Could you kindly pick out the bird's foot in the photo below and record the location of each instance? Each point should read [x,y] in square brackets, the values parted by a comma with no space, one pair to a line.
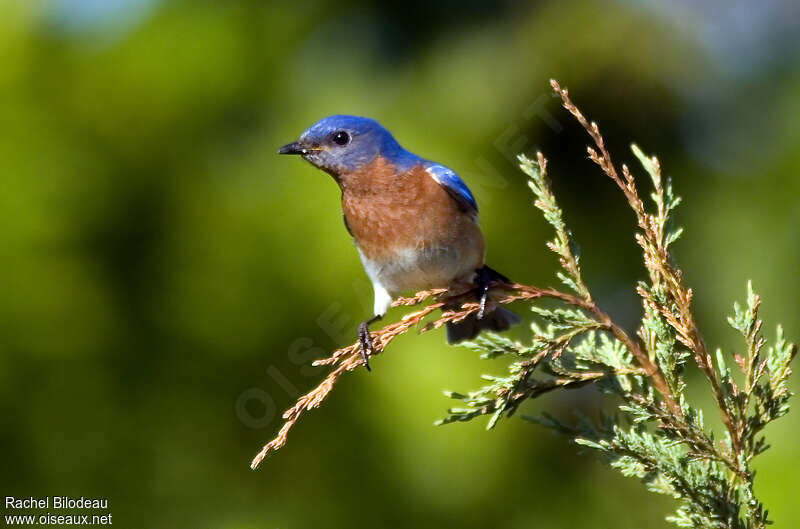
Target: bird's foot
[483,279]
[365,340]
[365,344]
[482,290]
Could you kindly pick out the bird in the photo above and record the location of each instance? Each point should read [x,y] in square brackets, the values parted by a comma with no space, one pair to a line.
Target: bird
[414,222]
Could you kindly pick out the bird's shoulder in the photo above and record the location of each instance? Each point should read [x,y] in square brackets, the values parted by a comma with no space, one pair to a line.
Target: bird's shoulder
[453,184]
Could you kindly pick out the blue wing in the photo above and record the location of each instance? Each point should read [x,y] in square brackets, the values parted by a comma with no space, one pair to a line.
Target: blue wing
[450,181]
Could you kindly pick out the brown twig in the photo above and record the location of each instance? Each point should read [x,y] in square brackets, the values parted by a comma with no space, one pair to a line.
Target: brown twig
[652,239]
[656,258]
[632,346]
[349,358]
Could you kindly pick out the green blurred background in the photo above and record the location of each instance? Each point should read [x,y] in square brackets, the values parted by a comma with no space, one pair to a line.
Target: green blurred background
[166,278]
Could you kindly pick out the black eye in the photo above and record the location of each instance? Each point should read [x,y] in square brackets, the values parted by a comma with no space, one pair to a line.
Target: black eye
[341,138]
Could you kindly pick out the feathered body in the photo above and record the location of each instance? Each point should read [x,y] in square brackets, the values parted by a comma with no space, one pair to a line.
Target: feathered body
[409,231]
[414,222]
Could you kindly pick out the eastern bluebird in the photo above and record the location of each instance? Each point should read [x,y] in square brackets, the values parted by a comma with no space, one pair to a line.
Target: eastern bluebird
[414,222]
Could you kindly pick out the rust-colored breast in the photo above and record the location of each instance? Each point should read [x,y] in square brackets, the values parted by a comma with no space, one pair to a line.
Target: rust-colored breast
[388,211]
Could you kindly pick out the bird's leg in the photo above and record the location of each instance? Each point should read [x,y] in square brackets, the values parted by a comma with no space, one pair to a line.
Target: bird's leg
[483,278]
[482,281]
[365,340]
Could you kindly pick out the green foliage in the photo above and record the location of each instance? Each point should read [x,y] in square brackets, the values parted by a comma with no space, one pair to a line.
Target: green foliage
[656,435]
[159,259]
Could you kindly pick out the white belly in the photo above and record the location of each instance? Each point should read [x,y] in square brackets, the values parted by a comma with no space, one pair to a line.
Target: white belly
[415,269]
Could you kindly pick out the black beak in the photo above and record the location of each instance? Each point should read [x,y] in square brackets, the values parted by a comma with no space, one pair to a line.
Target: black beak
[292,148]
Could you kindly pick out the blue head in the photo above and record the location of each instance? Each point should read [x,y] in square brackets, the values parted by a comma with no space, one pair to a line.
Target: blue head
[340,144]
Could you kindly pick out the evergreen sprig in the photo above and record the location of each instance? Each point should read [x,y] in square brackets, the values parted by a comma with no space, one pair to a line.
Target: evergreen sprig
[656,435]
